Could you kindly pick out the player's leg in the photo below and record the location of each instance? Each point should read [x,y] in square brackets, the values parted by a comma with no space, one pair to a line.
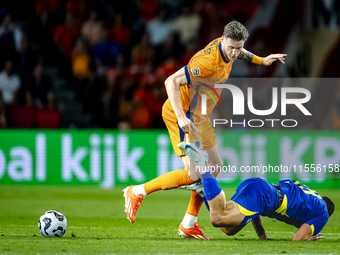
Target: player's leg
[209,143]
[173,179]
[134,195]
[222,214]
[196,200]
[189,226]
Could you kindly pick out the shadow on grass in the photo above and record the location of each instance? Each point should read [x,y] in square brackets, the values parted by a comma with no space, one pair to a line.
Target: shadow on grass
[134,238]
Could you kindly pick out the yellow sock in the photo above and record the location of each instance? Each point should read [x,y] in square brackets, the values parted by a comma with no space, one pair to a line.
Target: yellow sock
[195,204]
[170,180]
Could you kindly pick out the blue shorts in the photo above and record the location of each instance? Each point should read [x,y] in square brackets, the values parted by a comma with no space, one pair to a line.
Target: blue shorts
[255,196]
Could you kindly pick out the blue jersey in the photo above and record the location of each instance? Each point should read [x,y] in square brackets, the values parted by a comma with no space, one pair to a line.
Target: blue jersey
[300,204]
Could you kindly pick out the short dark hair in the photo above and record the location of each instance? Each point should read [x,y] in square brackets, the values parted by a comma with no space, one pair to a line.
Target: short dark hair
[330,205]
[235,31]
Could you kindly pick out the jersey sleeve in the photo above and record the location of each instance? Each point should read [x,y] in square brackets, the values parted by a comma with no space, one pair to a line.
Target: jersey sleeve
[201,67]
[317,223]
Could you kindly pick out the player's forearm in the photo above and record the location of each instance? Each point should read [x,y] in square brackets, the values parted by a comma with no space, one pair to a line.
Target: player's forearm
[259,229]
[300,237]
[173,91]
[303,233]
[250,57]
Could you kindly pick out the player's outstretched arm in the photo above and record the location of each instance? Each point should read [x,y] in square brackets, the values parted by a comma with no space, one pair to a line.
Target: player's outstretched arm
[259,229]
[304,233]
[267,61]
[172,85]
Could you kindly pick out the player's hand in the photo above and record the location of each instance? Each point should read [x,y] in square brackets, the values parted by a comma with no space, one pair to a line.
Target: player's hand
[187,126]
[316,237]
[267,61]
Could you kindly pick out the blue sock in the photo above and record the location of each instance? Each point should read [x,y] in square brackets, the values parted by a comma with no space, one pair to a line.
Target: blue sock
[210,185]
[206,203]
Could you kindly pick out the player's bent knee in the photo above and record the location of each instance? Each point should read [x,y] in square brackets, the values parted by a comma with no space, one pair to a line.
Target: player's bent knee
[216,220]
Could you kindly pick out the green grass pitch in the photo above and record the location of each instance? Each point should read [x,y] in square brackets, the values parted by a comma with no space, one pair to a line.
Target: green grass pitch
[97,224]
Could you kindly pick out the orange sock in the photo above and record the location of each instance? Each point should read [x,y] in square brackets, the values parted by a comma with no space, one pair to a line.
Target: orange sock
[195,204]
[170,180]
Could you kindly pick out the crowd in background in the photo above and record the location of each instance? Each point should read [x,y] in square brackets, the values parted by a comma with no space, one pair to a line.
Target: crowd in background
[115,55]
[26,96]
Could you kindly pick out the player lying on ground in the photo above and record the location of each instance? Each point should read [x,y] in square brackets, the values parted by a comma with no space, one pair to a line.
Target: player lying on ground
[180,114]
[289,201]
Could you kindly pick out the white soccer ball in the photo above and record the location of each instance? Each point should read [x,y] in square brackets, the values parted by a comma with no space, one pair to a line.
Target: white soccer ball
[52,224]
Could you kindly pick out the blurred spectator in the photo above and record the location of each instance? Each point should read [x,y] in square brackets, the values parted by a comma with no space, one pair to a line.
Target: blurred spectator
[104,98]
[10,36]
[190,50]
[2,112]
[9,83]
[142,53]
[81,69]
[91,29]
[106,51]
[140,115]
[148,100]
[241,10]
[80,60]
[2,13]
[66,35]
[332,120]
[111,98]
[24,116]
[39,86]
[170,48]
[167,68]
[77,7]
[187,25]
[148,8]
[119,32]
[160,27]
[47,10]
[49,117]
[25,60]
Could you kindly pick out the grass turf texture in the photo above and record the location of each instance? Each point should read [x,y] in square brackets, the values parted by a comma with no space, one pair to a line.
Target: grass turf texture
[97,224]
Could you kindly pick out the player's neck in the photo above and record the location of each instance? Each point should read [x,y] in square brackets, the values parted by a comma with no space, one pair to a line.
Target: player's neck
[226,57]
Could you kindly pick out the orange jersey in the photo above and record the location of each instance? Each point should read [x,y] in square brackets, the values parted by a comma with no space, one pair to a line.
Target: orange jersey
[207,63]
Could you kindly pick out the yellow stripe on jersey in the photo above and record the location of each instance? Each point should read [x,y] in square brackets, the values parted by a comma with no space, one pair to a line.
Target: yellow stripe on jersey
[244,211]
[283,208]
[312,227]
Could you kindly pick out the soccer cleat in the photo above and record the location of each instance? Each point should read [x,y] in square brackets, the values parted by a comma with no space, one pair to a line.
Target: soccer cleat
[132,203]
[194,232]
[197,187]
[198,156]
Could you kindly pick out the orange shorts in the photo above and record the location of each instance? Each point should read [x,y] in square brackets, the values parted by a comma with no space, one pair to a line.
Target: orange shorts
[206,136]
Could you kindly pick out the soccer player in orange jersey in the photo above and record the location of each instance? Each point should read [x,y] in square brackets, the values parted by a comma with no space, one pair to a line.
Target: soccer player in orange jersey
[180,117]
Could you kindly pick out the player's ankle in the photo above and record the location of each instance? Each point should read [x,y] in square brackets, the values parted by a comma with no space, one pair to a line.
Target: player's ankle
[139,189]
[189,221]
